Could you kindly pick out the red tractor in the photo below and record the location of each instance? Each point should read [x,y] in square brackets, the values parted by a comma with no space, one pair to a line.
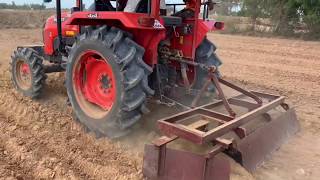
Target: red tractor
[117,53]
[114,59]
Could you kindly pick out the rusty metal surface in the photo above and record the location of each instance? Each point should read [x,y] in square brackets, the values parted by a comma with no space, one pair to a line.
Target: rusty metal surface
[202,90]
[181,165]
[263,141]
[171,125]
[248,137]
[163,140]
[229,126]
[243,91]
[222,96]
[151,161]
[212,78]
[162,163]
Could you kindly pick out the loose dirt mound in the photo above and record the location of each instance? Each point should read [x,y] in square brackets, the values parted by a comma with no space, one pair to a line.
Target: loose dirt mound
[47,143]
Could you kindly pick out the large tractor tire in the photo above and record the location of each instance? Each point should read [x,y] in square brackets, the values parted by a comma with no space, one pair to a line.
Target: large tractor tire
[27,72]
[107,81]
[205,54]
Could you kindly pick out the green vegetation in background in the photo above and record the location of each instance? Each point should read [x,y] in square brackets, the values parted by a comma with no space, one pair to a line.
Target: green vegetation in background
[289,17]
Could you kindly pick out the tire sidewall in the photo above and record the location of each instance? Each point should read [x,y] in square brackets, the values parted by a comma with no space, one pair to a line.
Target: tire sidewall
[15,60]
[111,59]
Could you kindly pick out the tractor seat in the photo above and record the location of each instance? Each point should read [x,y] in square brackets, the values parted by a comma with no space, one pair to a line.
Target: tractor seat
[172,20]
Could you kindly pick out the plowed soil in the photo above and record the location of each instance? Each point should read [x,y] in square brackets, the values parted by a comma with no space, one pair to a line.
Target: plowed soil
[40,140]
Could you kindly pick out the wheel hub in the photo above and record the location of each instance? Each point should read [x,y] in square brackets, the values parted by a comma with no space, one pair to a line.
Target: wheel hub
[24,69]
[105,82]
[23,74]
[95,80]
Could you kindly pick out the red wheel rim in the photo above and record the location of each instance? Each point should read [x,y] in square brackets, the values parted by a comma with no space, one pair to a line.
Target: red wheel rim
[23,75]
[94,84]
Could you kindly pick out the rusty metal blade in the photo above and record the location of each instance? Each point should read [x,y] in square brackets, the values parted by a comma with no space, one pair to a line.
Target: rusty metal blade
[176,164]
[253,149]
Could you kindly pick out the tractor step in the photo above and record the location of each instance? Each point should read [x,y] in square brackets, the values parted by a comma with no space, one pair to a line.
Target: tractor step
[247,127]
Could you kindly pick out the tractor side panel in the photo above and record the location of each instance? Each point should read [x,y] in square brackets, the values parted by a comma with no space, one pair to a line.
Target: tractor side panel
[206,26]
[184,41]
[50,32]
[202,30]
[188,43]
[128,20]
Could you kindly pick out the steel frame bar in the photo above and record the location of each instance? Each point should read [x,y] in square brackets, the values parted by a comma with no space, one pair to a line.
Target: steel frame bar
[246,104]
[224,128]
[264,95]
[243,91]
[226,103]
[172,126]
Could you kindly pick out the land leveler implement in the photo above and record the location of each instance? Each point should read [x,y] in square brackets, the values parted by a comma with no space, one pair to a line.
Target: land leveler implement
[116,54]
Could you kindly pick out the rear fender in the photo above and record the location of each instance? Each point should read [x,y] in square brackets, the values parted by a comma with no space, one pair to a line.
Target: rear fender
[146,36]
[149,39]
[127,20]
[206,26]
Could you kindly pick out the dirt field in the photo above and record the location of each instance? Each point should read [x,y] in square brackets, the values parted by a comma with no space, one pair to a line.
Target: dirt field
[39,138]
[23,18]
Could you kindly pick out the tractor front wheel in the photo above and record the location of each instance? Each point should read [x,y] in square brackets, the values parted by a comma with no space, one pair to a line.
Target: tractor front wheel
[27,72]
[107,81]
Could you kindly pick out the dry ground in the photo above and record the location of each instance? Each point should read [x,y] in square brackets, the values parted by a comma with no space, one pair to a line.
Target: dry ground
[39,139]
[23,18]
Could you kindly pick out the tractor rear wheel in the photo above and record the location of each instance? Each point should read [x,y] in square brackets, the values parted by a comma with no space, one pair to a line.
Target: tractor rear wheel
[205,54]
[107,81]
[27,72]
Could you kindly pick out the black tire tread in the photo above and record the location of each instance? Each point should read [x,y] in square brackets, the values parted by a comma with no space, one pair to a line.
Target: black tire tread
[205,54]
[32,58]
[133,74]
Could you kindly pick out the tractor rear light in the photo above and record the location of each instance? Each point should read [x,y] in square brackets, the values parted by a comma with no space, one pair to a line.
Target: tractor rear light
[219,25]
[70,33]
[146,21]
